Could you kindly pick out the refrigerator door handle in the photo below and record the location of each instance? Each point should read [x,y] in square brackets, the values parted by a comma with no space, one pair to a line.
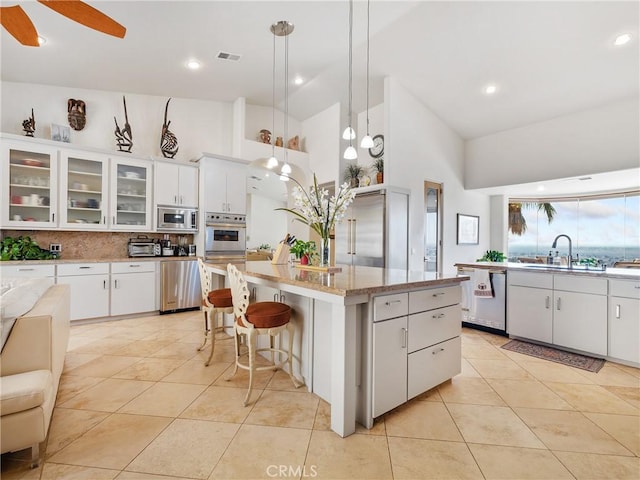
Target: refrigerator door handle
[353,237]
[348,236]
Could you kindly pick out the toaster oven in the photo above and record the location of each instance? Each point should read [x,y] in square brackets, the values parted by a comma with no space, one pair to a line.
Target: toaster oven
[143,247]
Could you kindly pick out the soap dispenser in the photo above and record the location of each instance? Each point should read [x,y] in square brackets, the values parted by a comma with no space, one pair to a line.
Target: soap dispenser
[550,258]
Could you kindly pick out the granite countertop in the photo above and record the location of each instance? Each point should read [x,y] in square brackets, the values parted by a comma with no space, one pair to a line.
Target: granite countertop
[624,273]
[352,280]
[60,261]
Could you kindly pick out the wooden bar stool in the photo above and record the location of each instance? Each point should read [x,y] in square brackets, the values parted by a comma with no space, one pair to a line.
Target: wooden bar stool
[215,303]
[259,318]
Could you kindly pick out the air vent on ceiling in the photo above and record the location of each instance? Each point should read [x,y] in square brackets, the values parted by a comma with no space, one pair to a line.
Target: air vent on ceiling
[582,179]
[228,56]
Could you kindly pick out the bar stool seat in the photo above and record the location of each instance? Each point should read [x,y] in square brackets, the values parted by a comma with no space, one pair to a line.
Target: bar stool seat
[215,303]
[259,318]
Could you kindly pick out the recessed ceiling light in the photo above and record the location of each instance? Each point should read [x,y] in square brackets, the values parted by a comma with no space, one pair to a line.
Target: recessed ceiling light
[298,80]
[622,39]
[540,188]
[490,89]
[41,40]
[193,64]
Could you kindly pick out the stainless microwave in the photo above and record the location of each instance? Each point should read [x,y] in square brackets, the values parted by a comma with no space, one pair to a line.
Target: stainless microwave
[176,219]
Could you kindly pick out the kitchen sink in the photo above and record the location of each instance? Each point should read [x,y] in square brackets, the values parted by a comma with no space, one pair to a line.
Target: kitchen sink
[573,268]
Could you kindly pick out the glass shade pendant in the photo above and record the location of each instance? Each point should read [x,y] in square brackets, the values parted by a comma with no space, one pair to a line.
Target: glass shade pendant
[272,162]
[367,141]
[350,153]
[349,133]
[286,169]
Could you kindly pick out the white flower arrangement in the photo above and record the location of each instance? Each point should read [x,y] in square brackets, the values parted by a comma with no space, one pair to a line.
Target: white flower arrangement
[316,209]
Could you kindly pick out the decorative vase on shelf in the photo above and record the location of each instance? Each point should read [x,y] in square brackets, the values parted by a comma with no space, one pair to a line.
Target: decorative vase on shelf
[325,254]
[379,177]
[304,260]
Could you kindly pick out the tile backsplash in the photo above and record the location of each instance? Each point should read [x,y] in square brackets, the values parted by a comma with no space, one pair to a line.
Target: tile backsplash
[87,245]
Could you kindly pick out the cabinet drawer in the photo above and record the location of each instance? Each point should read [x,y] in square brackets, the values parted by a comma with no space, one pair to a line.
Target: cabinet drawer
[390,306]
[435,326]
[434,298]
[528,279]
[133,267]
[431,366]
[68,269]
[624,288]
[28,270]
[574,283]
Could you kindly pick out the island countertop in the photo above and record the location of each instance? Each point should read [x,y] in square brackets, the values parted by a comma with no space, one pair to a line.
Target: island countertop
[351,281]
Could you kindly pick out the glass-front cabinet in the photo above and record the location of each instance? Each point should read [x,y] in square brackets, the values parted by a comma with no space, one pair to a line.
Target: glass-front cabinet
[131,188]
[83,190]
[29,185]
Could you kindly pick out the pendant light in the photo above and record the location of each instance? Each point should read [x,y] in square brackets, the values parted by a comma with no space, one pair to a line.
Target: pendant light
[272,162]
[349,134]
[282,29]
[367,141]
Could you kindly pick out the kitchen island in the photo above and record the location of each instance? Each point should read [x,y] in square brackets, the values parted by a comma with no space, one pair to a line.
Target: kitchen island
[342,356]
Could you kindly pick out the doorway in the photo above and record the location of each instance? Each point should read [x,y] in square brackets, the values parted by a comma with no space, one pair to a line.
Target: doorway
[432,227]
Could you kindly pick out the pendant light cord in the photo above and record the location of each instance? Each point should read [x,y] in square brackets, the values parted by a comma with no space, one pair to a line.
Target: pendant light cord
[350,62]
[367,67]
[273,98]
[286,95]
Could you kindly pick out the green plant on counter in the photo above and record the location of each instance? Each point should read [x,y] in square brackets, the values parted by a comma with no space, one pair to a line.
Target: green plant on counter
[23,248]
[492,256]
[589,261]
[301,248]
[264,246]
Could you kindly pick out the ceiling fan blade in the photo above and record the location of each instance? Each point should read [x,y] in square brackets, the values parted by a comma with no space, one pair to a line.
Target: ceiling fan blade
[86,15]
[17,23]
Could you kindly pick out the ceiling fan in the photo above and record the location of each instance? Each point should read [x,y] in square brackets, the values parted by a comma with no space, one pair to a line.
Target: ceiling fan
[17,23]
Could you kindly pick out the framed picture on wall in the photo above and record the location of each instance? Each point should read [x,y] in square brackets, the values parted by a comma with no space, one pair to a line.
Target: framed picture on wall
[468,229]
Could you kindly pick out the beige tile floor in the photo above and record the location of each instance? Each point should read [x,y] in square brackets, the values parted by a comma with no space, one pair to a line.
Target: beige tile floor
[136,402]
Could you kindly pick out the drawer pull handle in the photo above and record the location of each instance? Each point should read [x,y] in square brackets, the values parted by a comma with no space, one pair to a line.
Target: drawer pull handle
[104,284]
[440,315]
[636,286]
[404,337]
[391,302]
[438,294]
[84,268]
[26,269]
[547,301]
[134,266]
[558,303]
[435,352]
[617,311]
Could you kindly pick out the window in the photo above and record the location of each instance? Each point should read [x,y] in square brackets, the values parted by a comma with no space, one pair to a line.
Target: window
[605,227]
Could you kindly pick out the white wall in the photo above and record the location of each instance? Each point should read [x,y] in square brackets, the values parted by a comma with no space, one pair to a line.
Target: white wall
[598,140]
[263,224]
[322,140]
[201,126]
[419,147]
[499,238]
[376,127]
[259,117]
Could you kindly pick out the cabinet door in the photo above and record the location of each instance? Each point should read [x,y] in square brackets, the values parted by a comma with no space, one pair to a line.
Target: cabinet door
[389,364]
[580,321]
[29,188]
[133,293]
[215,185]
[130,204]
[188,186]
[89,295]
[529,313]
[236,188]
[167,183]
[83,190]
[624,329]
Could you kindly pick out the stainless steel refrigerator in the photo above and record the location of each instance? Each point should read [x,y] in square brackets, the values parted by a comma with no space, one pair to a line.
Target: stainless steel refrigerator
[374,232]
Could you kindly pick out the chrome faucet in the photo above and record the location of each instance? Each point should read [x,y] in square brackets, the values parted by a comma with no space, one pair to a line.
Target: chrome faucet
[555,242]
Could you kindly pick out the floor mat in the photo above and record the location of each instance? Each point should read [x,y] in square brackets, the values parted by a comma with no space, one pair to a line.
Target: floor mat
[554,355]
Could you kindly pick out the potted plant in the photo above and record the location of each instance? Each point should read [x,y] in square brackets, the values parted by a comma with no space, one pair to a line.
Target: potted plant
[378,166]
[352,174]
[304,251]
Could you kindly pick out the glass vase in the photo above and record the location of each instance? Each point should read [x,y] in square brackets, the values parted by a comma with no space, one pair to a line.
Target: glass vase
[324,252]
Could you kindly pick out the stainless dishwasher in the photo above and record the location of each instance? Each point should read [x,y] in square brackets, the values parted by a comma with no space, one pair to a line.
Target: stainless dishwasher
[179,286]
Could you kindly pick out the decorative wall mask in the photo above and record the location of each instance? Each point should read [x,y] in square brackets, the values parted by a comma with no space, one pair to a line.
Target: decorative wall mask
[77,114]
[29,125]
[168,141]
[124,137]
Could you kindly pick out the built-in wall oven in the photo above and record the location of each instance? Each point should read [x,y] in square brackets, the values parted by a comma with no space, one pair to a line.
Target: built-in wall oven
[226,237]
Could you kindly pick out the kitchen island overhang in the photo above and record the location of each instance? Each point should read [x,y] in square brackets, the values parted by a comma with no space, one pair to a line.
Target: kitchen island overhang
[343,303]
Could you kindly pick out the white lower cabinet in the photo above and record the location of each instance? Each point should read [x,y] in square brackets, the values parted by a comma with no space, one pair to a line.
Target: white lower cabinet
[416,344]
[560,309]
[28,271]
[89,288]
[624,320]
[133,287]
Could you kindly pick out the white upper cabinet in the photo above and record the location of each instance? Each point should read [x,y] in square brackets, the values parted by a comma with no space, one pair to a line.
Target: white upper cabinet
[29,188]
[225,185]
[176,184]
[130,194]
[84,190]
